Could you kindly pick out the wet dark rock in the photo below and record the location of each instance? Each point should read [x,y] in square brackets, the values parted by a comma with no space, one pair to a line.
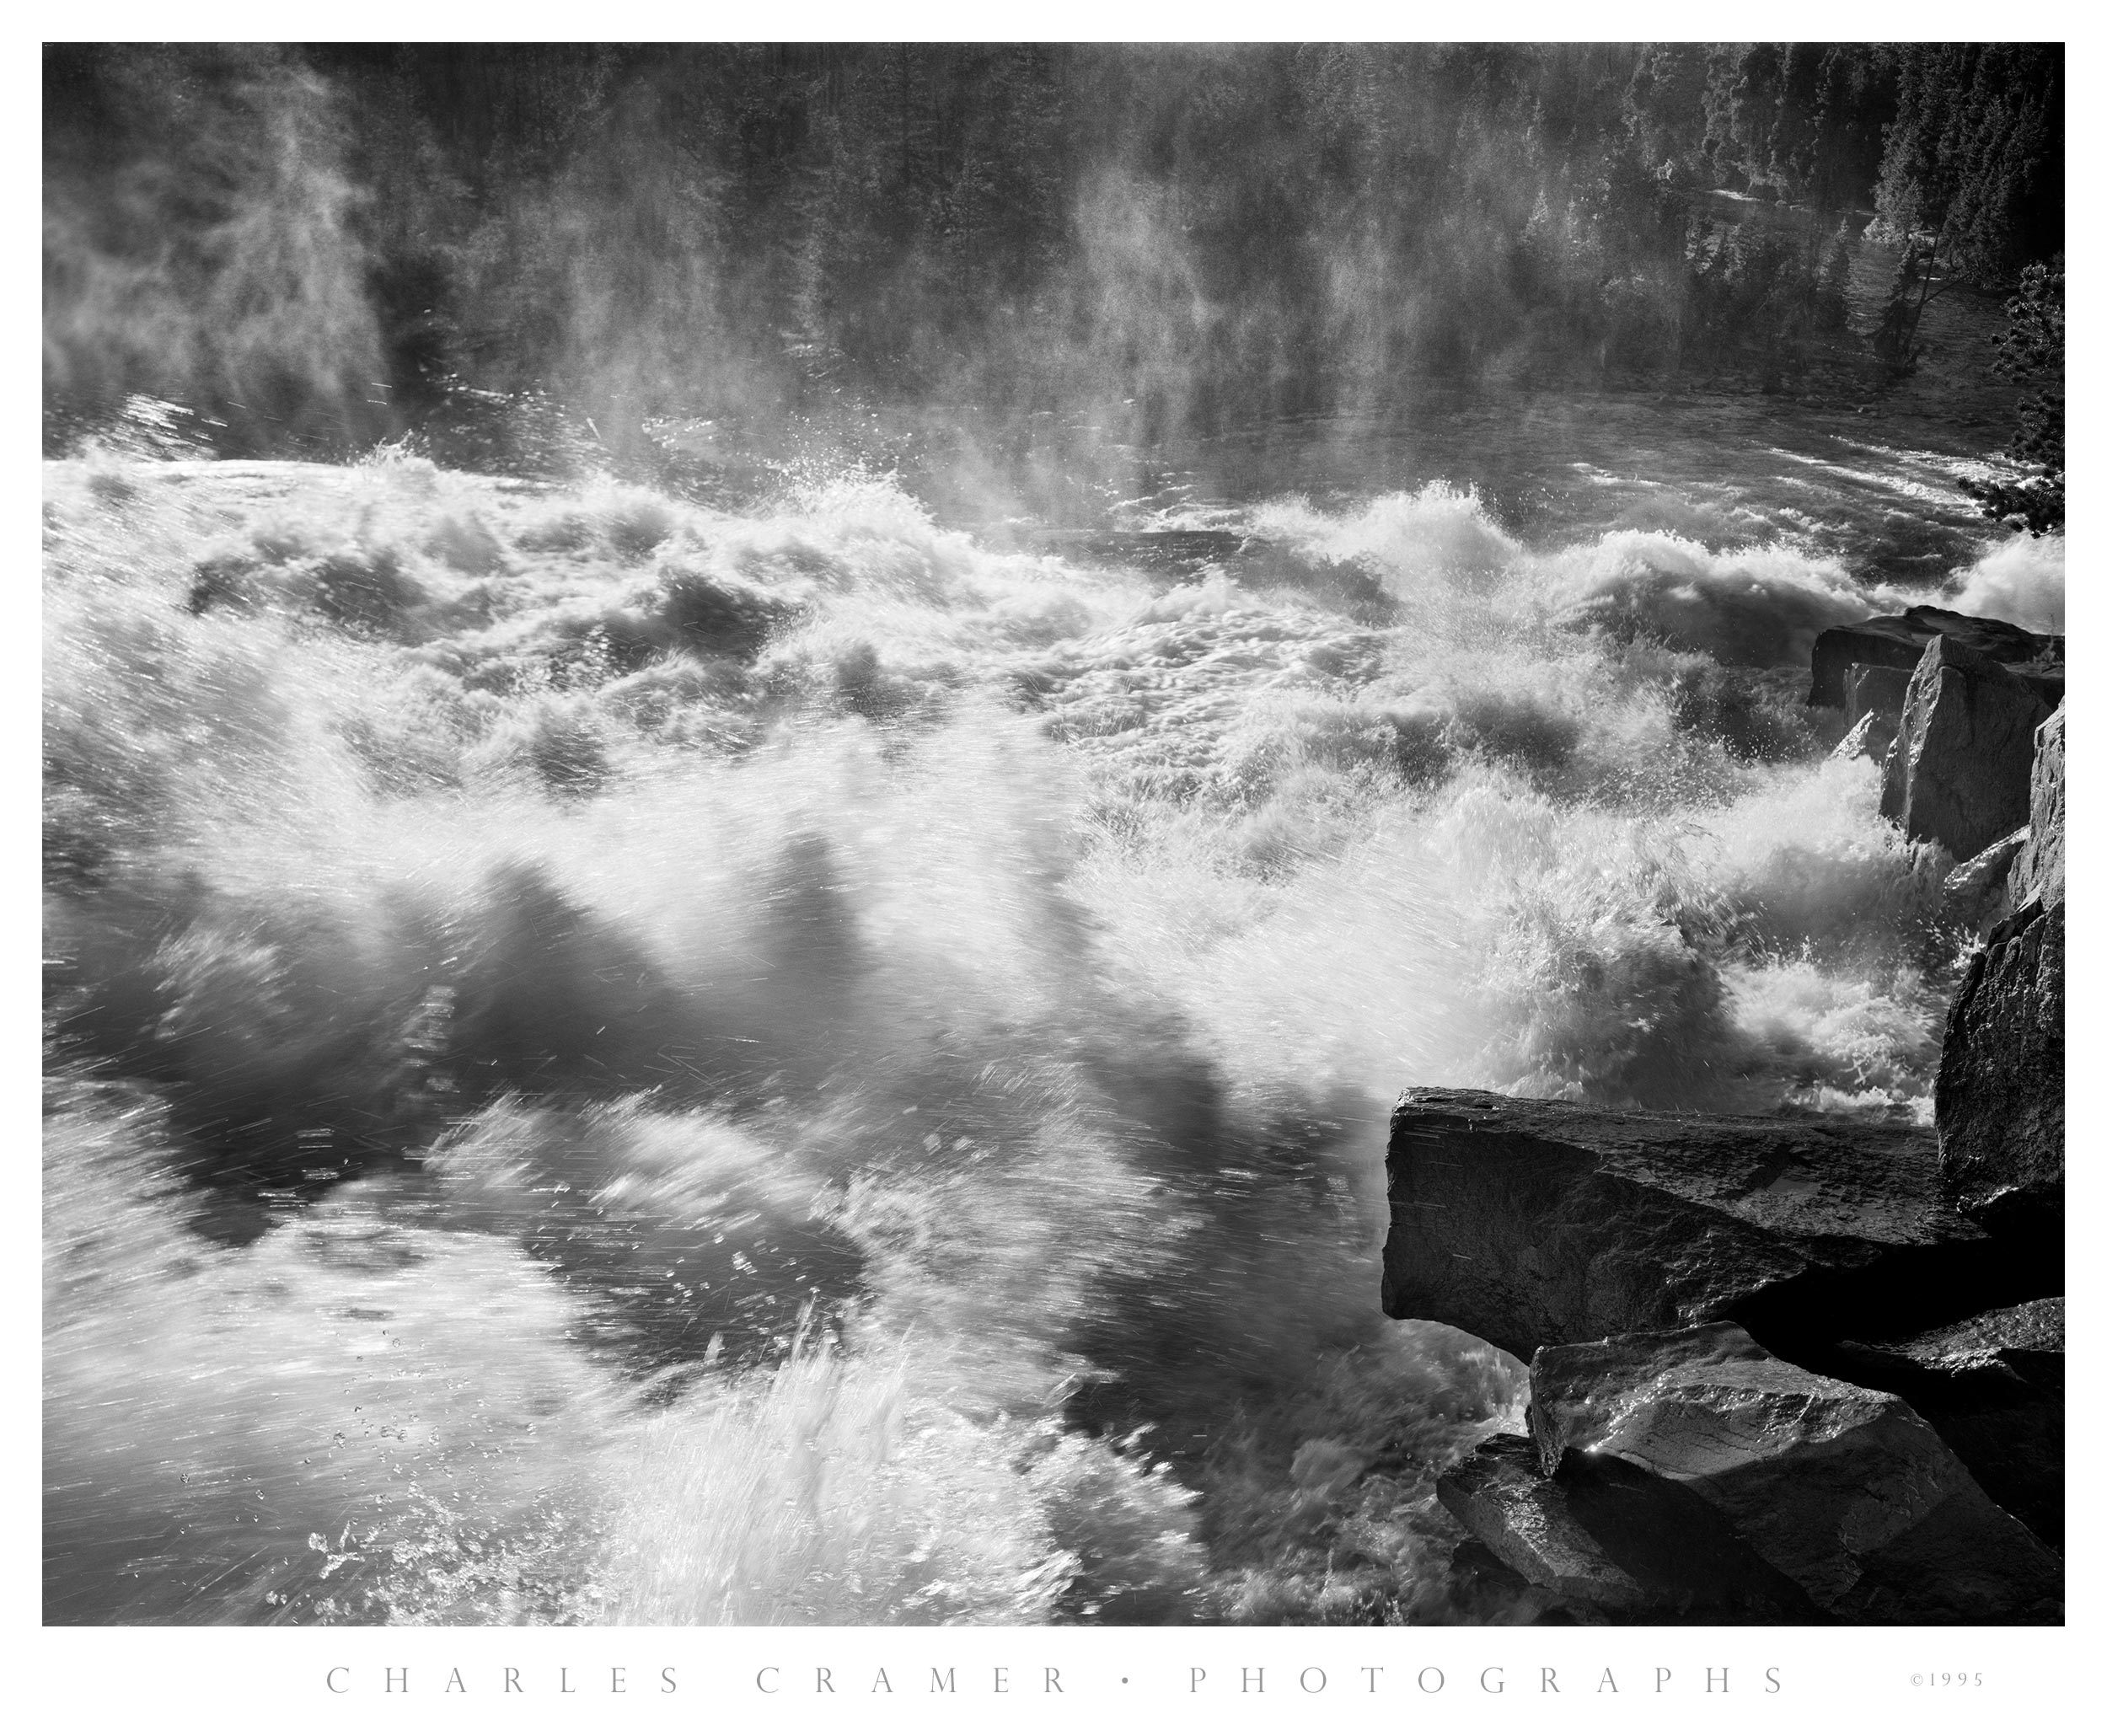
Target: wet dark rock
[1875,687]
[1484,1592]
[1531,1223]
[1606,1541]
[2021,1344]
[1846,1492]
[1522,1517]
[2038,874]
[1898,642]
[1960,772]
[1874,696]
[1999,1095]
[1992,1386]
[1974,892]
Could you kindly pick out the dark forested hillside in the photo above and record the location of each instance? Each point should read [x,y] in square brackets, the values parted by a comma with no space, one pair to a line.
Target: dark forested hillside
[307,246]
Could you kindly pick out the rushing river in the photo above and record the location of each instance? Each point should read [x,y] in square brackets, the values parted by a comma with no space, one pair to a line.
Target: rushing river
[618,1061]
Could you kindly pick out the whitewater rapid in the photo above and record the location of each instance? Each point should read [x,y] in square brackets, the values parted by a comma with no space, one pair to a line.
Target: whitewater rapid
[616,1062]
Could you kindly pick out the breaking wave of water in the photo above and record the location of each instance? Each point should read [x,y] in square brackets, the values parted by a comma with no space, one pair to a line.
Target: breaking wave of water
[2020,580]
[618,1063]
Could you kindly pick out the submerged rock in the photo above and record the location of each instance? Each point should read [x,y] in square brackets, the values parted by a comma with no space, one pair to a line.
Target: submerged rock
[1531,1223]
[1960,770]
[1999,1094]
[1898,642]
[1846,1492]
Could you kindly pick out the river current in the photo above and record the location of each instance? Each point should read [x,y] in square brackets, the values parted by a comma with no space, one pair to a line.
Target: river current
[617,1061]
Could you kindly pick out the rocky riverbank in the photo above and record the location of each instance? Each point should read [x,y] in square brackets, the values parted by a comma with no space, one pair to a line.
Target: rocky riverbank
[1792,1369]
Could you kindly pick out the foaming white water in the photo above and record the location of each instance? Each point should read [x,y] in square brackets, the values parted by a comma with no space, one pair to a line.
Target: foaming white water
[2019,580]
[901,1033]
[1754,606]
[1437,532]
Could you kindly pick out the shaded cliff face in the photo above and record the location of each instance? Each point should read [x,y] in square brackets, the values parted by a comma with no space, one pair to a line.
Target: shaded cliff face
[799,1064]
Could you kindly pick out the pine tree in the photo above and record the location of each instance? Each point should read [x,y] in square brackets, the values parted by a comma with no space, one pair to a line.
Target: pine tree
[2030,351]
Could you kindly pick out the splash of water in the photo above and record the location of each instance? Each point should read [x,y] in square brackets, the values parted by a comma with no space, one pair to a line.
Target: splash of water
[2018,580]
[624,1062]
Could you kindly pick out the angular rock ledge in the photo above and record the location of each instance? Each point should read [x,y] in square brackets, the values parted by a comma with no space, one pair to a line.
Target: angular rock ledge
[1530,1222]
[1959,772]
[1898,642]
[1608,1542]
[1992,1386]
[1846,1492]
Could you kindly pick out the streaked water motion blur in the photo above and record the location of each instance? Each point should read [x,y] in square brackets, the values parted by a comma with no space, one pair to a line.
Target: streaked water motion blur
[619,1062]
